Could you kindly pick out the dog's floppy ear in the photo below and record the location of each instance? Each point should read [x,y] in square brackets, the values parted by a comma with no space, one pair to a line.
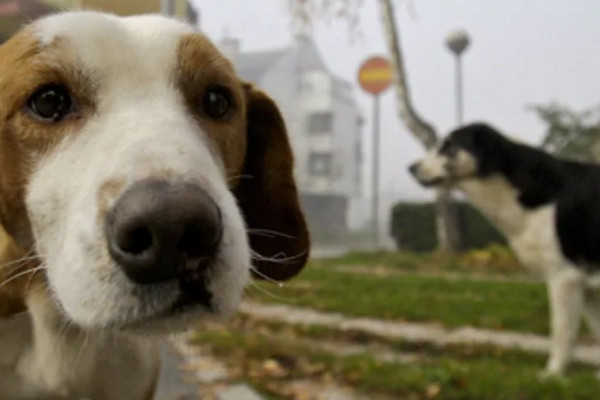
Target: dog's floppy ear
[489,147]
[267,193]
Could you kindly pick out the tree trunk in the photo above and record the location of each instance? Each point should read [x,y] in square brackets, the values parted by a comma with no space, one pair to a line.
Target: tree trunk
[446,217]
[447,222]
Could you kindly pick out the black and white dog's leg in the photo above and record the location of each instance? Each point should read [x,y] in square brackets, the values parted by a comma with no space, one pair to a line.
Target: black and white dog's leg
[566,306]
[591,312]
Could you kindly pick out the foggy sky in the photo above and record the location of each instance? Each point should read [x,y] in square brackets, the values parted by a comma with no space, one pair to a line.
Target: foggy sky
[521,53]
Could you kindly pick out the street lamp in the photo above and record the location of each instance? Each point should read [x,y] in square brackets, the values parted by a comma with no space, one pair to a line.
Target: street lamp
[458,41]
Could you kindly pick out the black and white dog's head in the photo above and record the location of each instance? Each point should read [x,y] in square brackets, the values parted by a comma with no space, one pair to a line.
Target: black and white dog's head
[475,150]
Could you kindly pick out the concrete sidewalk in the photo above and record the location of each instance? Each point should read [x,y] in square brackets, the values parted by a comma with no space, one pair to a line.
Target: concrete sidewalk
[185,371]
[175,383]
[414,332]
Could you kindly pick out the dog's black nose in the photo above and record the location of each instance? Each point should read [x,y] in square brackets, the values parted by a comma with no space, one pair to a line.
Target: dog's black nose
[158,231]
[412,168]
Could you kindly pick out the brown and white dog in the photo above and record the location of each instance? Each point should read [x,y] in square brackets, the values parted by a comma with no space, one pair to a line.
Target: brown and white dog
[141,183]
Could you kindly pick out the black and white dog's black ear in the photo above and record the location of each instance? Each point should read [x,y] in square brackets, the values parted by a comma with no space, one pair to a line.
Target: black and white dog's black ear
[531,174]
[488,146]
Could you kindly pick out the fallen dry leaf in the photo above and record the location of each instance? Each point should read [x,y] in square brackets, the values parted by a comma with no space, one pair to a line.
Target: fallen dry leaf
[433,391]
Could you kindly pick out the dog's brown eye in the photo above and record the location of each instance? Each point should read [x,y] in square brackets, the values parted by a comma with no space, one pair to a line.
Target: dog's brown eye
[217,102]
[51,103]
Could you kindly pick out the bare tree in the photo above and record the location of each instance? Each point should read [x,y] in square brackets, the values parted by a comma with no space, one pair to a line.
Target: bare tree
[447,229]
[305,10]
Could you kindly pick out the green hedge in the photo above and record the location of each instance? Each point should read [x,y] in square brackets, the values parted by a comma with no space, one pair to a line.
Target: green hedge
[413,227]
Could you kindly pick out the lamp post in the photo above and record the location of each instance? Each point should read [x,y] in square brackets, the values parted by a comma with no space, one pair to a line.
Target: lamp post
[458,41]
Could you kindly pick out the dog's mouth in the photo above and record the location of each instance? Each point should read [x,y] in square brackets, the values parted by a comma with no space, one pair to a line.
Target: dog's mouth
[429,182]
[425,181]
[193,285]
[433,182]
[185,298]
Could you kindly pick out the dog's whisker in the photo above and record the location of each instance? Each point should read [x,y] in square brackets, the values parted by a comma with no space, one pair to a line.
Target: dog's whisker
[15,269]
[30,280]
[82,345]
[66,326]
[268,293]
[236,177]
[278,258]
[22,273]
[266,277]
[28,256]
[17,261]
[8,272]
[268,233]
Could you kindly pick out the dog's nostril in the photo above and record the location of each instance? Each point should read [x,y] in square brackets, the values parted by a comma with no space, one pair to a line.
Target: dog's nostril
[190,242]
[136,240]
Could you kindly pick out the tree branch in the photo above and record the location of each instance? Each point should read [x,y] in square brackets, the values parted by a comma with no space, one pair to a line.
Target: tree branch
[421,129]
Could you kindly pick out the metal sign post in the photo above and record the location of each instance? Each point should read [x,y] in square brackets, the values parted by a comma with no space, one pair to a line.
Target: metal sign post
[375,76]
[376,163]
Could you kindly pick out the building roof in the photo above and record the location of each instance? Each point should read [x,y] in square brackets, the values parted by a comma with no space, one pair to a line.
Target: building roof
[343,89]
[252,66]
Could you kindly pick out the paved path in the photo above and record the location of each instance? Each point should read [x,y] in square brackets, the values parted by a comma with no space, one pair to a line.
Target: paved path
[175,383]
[185,372]
[414,332]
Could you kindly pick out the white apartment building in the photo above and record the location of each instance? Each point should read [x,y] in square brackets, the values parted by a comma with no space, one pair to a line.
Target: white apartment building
[324,123]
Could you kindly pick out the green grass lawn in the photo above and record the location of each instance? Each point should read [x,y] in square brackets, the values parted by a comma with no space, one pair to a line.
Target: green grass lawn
[485,303]
[409,287]
[492,261]
[453,372]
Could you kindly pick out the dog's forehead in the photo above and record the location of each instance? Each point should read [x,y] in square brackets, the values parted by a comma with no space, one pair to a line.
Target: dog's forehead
[445,143]
[87,27]
[103,42]
[459,138]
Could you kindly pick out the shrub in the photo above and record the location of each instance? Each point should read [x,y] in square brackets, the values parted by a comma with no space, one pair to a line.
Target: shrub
[413,227]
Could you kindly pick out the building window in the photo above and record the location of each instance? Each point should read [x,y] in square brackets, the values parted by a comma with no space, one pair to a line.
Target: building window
[304,85]
[319,164]
[358,154]
[320,122]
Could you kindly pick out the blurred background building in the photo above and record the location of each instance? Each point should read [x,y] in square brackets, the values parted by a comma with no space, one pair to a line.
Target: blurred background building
[325,125]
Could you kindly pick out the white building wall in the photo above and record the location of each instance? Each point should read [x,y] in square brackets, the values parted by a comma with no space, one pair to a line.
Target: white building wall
[315,98]
[301,86]
[280,82]
[345,141]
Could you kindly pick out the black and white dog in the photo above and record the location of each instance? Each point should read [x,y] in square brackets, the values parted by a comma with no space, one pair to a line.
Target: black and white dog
[548,209]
